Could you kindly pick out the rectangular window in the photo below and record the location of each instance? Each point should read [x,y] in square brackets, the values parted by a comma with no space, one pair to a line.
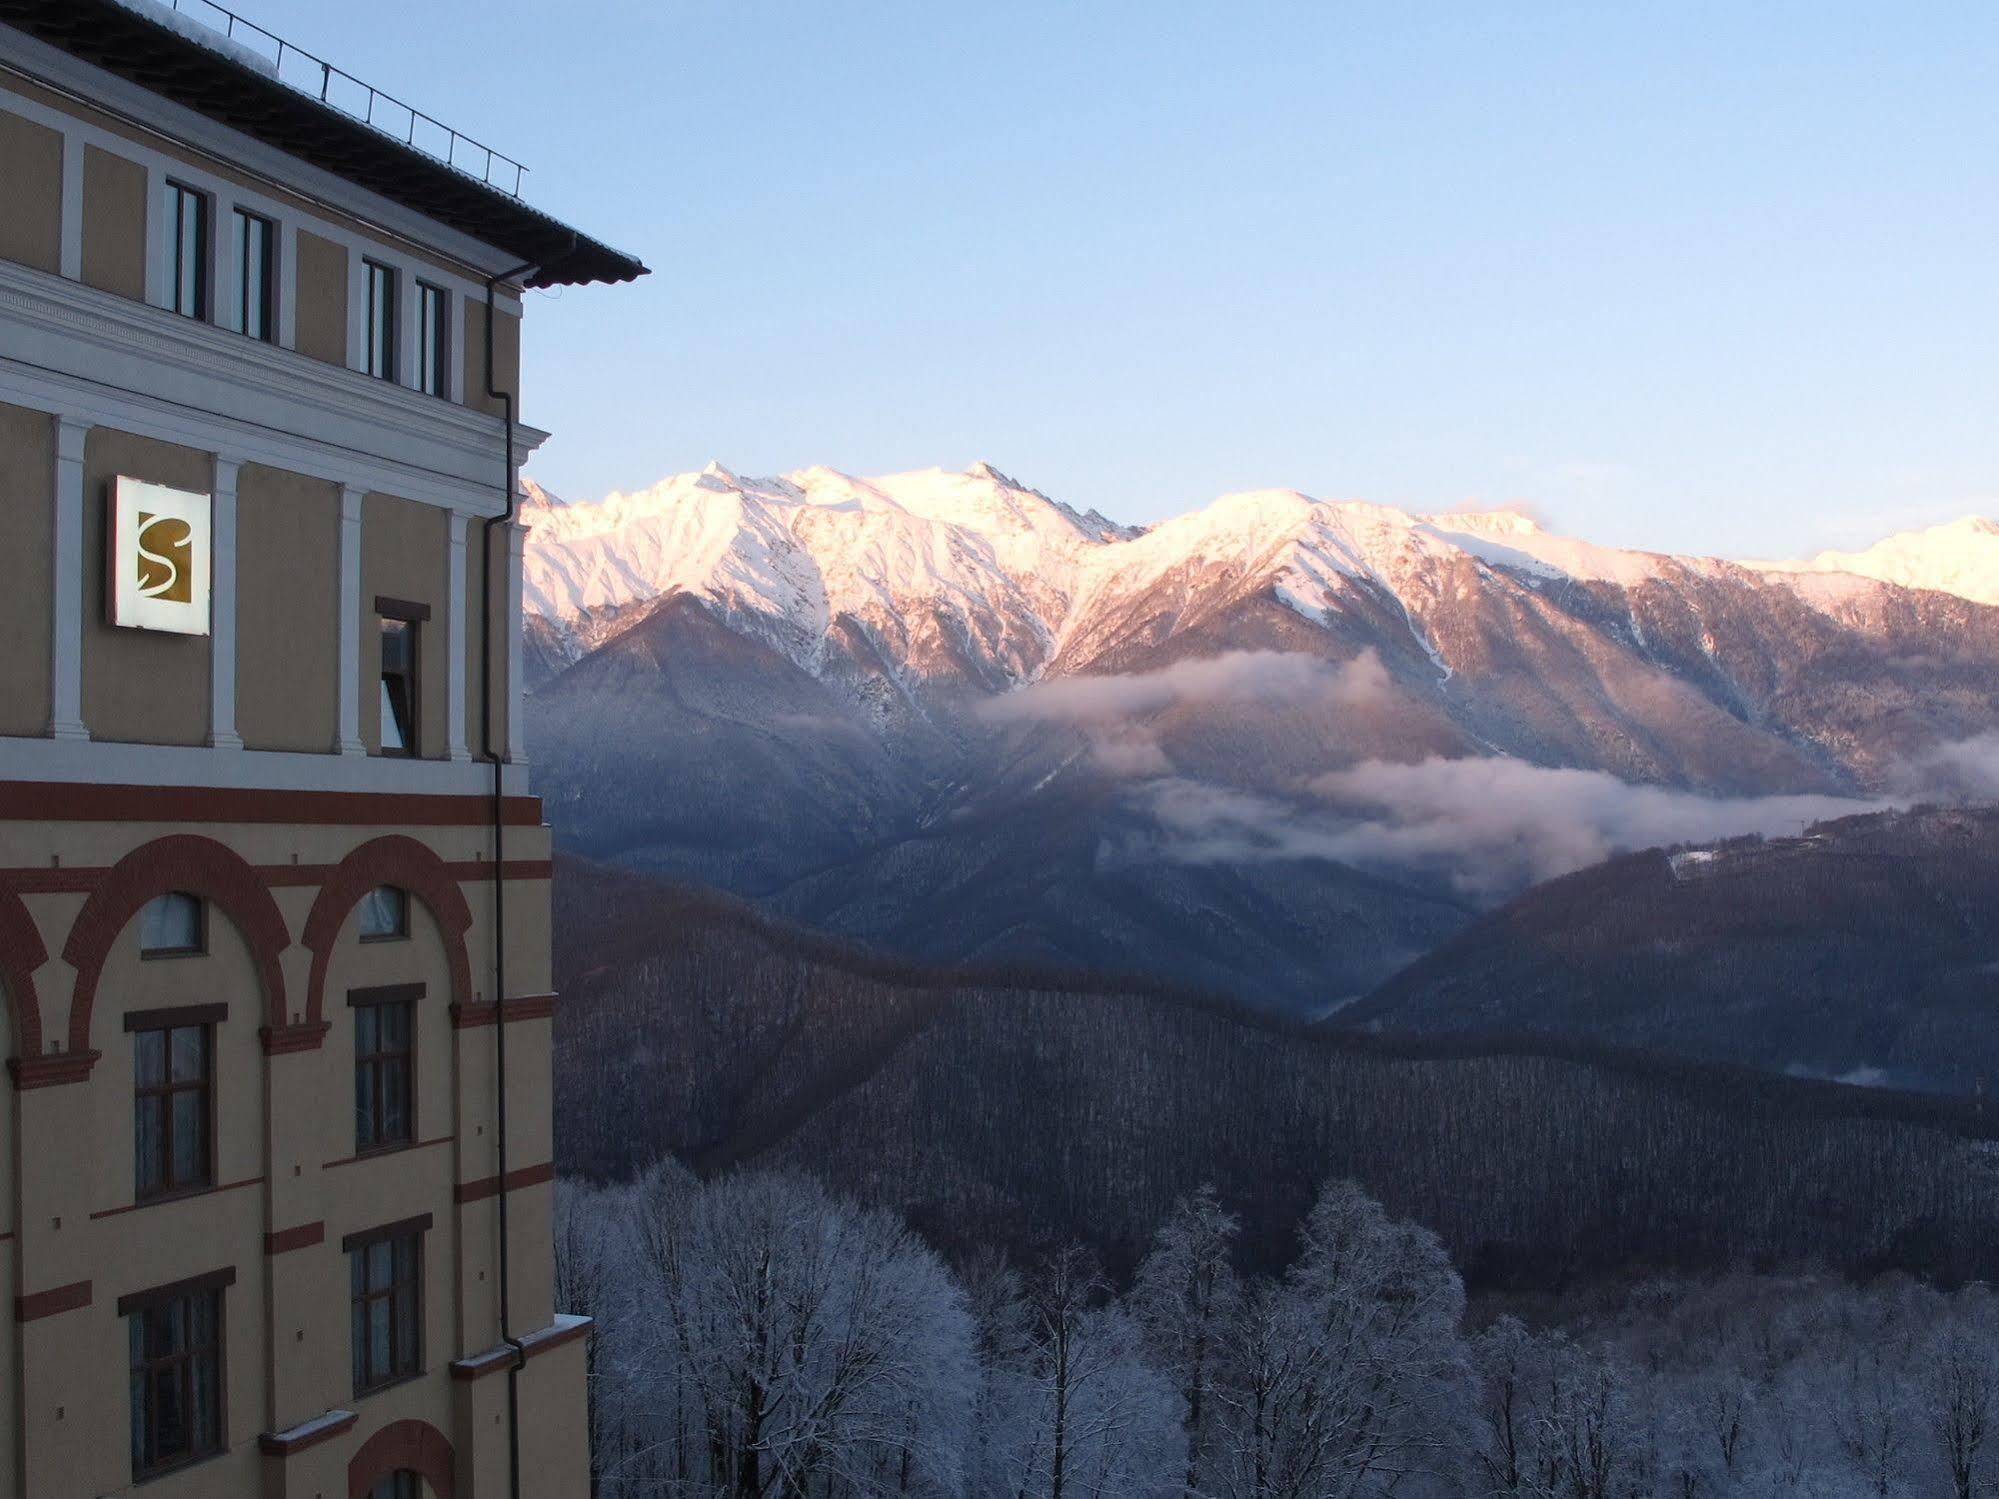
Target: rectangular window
[400,706]
[379,357]
[175,1340]
[187,251]
[256,275]
[433,335]
[173,1099]
[384,1066]
[385,1267]
[398,687]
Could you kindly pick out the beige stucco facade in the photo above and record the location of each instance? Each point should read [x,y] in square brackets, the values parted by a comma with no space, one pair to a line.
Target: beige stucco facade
[239,764]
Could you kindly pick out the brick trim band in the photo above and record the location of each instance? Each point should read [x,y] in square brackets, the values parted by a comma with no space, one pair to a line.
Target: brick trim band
[302,1236]
[485,1012]
[489,1186]
[64,801]
[40,1304]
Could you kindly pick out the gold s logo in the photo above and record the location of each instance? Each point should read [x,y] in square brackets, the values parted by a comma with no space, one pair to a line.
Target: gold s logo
[165,558]
[158,556]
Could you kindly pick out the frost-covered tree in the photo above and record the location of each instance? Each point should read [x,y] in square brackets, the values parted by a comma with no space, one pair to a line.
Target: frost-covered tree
[1185,1296]
[1959,1397]
[1096,1419]
[1347,1377]
[821,1347]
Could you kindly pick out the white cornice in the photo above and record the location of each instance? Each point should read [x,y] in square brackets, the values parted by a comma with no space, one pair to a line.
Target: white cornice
[84,353]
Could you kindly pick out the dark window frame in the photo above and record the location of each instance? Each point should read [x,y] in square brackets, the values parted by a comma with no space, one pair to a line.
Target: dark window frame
[433,339]
[169,1023]
[183,279]
[200,948]
[413,616]
[404,1364]
[262,294]
[142,1370]
[371,1067]
[380,318]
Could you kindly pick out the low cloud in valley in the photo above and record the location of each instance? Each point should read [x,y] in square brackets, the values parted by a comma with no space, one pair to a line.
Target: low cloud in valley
[1490,825]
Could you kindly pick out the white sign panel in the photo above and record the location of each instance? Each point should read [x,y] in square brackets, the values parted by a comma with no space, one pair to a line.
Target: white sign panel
[159,542]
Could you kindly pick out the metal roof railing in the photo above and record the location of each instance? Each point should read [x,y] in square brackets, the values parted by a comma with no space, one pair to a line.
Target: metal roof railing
[299,69]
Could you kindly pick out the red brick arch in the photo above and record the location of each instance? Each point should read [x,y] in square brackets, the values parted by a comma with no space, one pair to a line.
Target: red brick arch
[403,1447]
[409,865]
[21,953]
[180,861]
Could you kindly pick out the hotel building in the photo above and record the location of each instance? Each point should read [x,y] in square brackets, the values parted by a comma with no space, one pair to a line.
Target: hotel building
[275,1160]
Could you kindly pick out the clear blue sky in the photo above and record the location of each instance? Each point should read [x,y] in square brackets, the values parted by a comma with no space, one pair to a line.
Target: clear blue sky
[1700,276]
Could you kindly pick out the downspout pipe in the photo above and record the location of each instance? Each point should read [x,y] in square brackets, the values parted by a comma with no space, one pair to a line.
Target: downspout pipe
[496,757]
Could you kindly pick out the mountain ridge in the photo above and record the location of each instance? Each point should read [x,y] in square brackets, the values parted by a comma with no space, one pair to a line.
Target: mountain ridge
[1277,747]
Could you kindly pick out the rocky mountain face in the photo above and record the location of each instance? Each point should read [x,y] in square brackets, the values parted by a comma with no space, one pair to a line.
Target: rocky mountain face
[1278,747]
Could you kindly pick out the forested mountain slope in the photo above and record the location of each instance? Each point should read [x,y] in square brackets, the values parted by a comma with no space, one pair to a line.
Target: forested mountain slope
[1015,1109]
[1868,949]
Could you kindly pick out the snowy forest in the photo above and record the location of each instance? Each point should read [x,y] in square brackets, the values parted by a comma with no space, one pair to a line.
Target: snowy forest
[762,1337]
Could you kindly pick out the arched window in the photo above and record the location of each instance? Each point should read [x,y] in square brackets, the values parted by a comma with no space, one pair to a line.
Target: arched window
[402,1485]
[385,914]
[171,925]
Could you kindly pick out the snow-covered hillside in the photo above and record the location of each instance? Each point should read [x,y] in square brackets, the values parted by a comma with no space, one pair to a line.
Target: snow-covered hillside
[974,571]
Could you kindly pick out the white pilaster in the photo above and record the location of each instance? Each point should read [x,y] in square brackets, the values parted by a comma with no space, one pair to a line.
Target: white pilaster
[159,237]
[225,301]
[72,206]
[454,646]
[357,310]
[517,535]
[406,321]
[287,283]
[66,626]
[347,737]
[222,607]
[454,349]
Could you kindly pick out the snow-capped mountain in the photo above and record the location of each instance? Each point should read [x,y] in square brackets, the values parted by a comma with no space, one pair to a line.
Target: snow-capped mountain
[947,712]
[1015,582]
[1961,557]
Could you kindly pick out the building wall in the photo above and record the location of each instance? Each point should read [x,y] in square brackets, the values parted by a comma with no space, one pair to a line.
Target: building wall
[287,609]
[31,166]
[322,298]
[120,779]
[114,223]
[288,1185]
